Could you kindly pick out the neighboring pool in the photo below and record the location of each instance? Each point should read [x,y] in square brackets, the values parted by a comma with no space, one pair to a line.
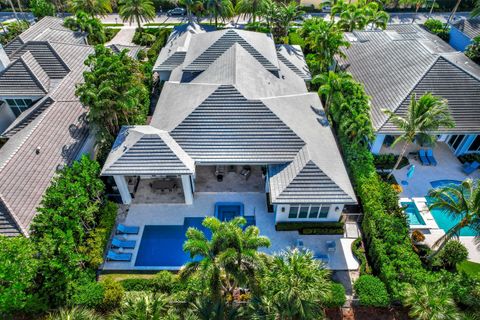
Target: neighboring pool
[444,221]
[225,211]
[441,183]
[413,215]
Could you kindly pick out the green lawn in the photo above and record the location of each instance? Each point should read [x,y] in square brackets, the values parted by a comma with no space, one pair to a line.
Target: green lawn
[469,267]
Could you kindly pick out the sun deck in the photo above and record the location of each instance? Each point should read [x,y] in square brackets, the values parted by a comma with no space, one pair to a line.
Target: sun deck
[255,205]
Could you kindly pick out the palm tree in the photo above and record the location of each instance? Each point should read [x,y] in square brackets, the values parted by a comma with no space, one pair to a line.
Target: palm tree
[143,306]
[455,11]
[324,39]
[191,6]
[73,314]
[136,10]
[476,10]
[220,8]
[424,116]
[339,7]
[83,22]
[226,261]
[429,302]
[92,7]
[331,87]
[252,7]
[461,202]
[353,18]
[376,17]
[295,287]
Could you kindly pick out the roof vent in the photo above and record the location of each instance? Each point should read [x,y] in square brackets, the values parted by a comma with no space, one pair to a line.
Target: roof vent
[37,150]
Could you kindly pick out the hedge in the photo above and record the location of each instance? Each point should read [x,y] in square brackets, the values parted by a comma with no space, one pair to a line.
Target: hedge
[163,281]
[371,291]
[312,227]
[359,253]
[336,298]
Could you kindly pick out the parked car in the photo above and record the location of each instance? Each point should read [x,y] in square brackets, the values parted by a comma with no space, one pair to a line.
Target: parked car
[176,12]
[327,9]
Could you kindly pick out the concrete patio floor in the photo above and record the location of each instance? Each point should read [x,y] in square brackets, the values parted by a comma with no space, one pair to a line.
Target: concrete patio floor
[255,204]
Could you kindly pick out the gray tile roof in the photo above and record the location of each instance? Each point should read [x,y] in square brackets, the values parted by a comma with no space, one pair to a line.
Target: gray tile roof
[236,110]
[207,47]
[470,27]
[55,125]
[391,68]
[132,51]
[24,77]
[144,150]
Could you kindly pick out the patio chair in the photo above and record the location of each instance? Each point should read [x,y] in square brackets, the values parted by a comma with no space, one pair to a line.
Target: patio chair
[124,244]
[115,256]
[469,168]
[423,157]
[331,246]
[431,158]
[122,229]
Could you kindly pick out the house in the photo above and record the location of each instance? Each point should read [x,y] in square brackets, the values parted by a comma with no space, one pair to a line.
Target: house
[234,117]
[404,60]
[44,123]
[463,31]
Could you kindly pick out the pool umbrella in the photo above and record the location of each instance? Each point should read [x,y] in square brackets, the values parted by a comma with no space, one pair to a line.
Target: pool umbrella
[410,172]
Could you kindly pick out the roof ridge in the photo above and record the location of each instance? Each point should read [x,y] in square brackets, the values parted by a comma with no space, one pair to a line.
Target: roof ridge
[23,58]
[459,67]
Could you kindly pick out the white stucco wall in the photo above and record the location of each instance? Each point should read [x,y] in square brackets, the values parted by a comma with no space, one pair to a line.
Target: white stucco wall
[6,116]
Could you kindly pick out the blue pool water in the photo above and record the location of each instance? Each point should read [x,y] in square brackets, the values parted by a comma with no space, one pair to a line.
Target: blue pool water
[440,183]
[162,246]
[413,215]
[225,211]
[443,220]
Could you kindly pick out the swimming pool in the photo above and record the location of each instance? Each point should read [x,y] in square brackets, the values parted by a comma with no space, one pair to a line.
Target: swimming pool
[441,183]
[413,215]
[226,211]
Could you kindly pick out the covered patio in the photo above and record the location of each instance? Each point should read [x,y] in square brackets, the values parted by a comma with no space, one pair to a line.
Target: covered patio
[234,178]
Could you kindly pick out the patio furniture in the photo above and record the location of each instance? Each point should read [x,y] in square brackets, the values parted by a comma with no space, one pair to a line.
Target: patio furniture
[331,246]
[423,157]
[431,158]
[246,172]
[162,185]
[115,256]
[124,244]
[469,168]
[122,229]
[219,173]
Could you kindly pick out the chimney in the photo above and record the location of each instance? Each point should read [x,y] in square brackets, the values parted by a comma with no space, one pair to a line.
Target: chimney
[4,60]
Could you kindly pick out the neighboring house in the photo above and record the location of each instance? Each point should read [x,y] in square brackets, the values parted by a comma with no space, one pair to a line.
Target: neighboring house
[235,116]
[462,32]
[47,125]
[406,60]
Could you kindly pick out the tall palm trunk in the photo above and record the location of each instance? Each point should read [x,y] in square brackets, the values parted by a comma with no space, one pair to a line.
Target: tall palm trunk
[417,7]
[138,21]
[454,11]
[400,157]
[431,9]
[13,9]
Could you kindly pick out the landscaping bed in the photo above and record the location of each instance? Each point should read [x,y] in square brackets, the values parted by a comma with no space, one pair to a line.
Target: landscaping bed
[311,227]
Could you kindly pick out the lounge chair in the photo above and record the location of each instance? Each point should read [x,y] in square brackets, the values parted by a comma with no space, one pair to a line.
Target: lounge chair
[469,168]
[331,246]
[115,256]
[423,157]
[431,158]
[124,244]
[122,229]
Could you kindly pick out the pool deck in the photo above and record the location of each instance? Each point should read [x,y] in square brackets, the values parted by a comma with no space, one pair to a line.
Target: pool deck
[255,204]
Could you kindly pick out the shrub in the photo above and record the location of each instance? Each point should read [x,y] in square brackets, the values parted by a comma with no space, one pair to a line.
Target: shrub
[418,236]
[295,39]
[337,296]
[312,227]
[439,28]
[110,33]
[88,295]
[469,157]
[359,253]
[371,291]
[113,294]
[473,50]
[454,252]
[164,281]
[387,161]
[141,55]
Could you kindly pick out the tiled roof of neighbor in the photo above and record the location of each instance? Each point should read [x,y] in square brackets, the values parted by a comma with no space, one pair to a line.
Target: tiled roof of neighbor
[234,109]
[49,134]
[470,27]
[392,66]
[144,150]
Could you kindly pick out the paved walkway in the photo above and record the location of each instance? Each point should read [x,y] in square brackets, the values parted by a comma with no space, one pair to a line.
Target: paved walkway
[124,36]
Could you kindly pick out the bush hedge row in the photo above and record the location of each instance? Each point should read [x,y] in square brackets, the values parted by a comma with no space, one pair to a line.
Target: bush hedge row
[312,227]
[359,253]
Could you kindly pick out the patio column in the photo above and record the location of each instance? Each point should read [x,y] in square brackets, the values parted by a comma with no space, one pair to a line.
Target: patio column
[123,188]
[187,189]
[377,144]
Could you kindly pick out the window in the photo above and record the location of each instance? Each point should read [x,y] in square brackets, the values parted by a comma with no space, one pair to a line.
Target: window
[308,211]
[475,146]
[293,213]
[455,141]
[19,105]
[303,212]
